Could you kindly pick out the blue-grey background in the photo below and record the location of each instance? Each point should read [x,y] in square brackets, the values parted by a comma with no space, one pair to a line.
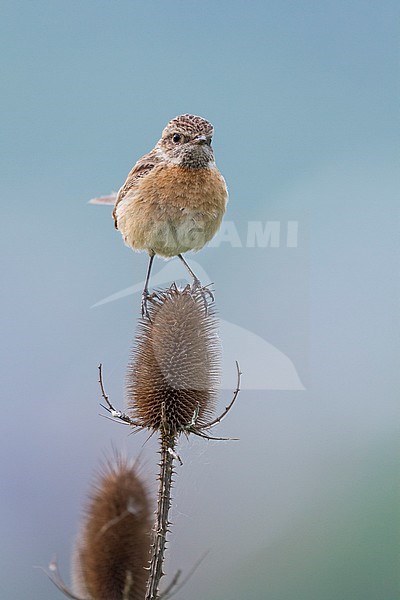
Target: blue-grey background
[302,96]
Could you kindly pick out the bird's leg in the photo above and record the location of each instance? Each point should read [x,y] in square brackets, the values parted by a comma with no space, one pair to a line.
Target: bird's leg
[197,286]
[145,293]
[196,280]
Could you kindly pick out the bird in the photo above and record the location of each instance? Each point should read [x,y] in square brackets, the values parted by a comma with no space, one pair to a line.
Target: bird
[174,197]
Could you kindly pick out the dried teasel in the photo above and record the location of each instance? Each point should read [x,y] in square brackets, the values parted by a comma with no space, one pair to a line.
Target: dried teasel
[112,550]
[175,369]
[172,387]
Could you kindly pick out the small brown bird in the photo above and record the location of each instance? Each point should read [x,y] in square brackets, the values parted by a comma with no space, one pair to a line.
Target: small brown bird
[174,198]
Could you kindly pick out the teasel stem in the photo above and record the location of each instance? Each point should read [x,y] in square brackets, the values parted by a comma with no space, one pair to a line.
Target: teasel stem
[167,452]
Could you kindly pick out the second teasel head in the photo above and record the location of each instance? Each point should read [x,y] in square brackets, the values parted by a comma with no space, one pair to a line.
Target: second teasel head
[113,548]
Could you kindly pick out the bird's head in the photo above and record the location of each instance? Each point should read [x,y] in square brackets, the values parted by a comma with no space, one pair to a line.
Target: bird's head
[186,141]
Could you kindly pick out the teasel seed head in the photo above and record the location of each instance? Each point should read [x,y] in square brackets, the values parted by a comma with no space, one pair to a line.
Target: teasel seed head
[112,550]
[175,368]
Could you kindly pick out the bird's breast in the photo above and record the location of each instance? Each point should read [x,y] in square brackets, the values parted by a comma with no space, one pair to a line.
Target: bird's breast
[184,187]
[173,209]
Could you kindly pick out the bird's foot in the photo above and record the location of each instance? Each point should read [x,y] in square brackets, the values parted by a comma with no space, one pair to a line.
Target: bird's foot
[204,292]
[145,299]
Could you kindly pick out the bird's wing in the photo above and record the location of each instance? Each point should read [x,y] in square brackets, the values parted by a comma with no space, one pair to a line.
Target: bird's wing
[142,168]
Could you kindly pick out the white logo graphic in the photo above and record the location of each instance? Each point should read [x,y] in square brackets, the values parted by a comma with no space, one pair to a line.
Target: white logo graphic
[264,366]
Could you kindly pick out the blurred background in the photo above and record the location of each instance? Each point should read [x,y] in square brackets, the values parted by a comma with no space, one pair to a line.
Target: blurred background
[302,96]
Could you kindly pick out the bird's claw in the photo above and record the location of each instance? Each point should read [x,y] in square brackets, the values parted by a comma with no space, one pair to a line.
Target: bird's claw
[145,298]
[204,292]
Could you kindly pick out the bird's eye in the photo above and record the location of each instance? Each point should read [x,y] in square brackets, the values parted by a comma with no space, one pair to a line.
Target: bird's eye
[209,140]
[176,138]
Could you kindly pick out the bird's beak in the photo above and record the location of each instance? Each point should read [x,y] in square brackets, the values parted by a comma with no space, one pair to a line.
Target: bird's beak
[201,139]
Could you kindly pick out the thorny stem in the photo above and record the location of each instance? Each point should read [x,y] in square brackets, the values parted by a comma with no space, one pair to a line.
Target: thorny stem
[116,414]
[161,524]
